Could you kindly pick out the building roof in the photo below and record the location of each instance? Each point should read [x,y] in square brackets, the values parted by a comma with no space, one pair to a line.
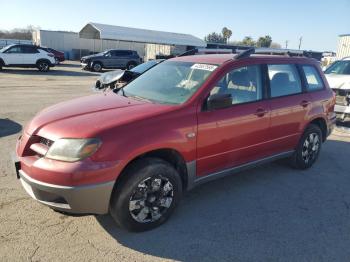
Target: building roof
[112,32]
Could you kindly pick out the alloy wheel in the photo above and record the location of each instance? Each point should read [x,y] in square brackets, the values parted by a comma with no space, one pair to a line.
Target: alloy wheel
[151,199]
[311,147]
[43,66]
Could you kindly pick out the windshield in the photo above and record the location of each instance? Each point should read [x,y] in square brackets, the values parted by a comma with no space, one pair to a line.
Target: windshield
[339,67]
[170,82]
[143,67]
[4,48]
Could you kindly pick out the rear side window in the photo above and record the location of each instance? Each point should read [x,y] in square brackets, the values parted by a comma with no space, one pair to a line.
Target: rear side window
[313,78]
[29,50]
[243,84]
[121,53]
[284,80]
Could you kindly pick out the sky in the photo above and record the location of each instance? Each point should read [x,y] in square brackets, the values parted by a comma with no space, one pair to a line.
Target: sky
[318,22]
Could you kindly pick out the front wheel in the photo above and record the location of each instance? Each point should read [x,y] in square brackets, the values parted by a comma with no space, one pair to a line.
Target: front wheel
[308,149]
[147,194]
[96,67]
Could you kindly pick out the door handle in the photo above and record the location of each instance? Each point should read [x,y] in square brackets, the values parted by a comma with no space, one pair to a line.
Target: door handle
[304,103]
[260,112]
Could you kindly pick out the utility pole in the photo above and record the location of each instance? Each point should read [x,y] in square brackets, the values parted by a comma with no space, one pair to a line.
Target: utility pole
[300,40]
[287,44]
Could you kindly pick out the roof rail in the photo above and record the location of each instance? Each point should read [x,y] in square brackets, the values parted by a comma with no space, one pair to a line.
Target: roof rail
[270,51]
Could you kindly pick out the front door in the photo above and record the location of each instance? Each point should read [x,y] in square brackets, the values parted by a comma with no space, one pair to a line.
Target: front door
[13,56]
[238,134]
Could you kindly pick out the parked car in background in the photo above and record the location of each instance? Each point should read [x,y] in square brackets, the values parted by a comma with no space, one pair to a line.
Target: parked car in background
[26,56]
[338,76]
[119,78]
[59,56]
[113,58]
[132,152]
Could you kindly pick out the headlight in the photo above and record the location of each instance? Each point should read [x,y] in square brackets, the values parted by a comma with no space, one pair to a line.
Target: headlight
[72,149]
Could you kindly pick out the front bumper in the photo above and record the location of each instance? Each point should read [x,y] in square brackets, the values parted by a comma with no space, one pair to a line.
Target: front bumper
[87,199]
[85,65]
[342,109]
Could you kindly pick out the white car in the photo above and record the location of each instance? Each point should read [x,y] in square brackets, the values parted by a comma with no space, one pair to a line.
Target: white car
[26,56]
[338,76]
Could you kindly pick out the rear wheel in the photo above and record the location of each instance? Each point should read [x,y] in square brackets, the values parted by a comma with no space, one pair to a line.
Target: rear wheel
[308,148]
[146,195]
[96,66]
[131,65]
[43,66]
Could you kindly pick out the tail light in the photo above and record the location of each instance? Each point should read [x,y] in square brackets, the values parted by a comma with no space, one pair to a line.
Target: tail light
[50,55]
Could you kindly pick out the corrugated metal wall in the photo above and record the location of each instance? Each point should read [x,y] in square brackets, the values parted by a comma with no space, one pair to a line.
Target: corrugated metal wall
[343,49]
[69,42]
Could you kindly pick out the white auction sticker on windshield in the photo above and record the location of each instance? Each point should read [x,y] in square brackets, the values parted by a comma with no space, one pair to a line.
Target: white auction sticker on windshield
[206,67]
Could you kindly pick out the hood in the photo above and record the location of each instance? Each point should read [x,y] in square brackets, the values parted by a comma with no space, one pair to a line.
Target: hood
[337,81]
[90,115]
[91,56]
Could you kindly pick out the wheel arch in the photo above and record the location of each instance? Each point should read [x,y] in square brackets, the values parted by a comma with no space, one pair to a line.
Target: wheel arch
[322,124]
[2,62]
[42,60]
[169,155]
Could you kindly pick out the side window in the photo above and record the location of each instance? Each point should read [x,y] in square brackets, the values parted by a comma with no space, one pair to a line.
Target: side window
[244,84]
[284,80]
[118,53]
[313,79]
[29,50]
[14,50]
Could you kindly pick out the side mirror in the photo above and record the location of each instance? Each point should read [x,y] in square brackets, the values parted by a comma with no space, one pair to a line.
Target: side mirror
[219,101]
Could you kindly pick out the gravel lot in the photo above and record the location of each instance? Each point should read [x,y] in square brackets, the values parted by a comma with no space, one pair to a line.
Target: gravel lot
[271,213]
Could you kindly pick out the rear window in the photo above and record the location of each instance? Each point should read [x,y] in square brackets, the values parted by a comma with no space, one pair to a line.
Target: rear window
[313,79]
[284,80]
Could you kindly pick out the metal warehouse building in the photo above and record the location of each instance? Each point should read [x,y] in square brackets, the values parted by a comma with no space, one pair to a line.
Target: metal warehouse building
[95,37]
[343,49]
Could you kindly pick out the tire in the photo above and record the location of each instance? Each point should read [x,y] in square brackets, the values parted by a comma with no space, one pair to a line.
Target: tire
[96,67]
[146,196]
[43,66]
[308,149]
[130,65]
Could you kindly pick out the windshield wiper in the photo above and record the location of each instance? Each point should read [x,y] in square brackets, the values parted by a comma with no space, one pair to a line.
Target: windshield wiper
[140,98]
[116,90]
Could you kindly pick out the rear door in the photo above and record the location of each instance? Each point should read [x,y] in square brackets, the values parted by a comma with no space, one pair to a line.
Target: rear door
[289,104]
[29,55]
[13,56]
[124,57]
[238,134]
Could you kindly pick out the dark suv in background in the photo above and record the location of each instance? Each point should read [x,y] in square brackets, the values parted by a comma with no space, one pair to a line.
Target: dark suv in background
[125,59]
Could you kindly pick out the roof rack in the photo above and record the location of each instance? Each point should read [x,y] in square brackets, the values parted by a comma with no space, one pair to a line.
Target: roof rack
[205,51]
[270,51]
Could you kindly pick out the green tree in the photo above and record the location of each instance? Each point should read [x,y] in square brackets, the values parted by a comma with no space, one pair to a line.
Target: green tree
[264,41]
[226,33]
[214,38]
[248,41]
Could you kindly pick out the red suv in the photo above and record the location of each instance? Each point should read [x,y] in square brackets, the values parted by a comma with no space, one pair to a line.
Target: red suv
[134,151]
